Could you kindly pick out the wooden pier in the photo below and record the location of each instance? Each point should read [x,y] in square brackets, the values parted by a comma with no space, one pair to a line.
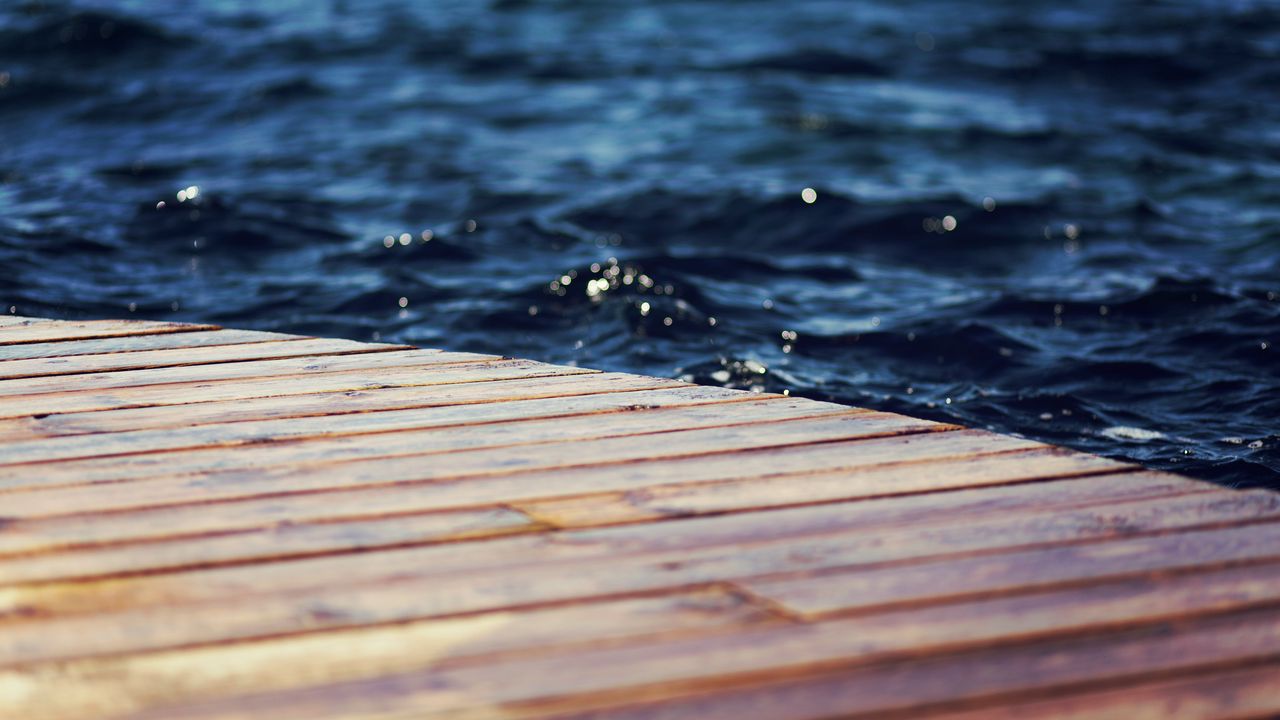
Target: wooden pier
[201,523]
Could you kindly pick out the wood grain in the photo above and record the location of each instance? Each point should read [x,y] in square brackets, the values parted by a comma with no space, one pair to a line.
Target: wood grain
[188,532]
[474,384]
[43,331]
[133,343]
[208,523]
[542,567]
[176,677]
[979,679]
[400,457]
[862,589]
[259,432]
[1249,693]
[805,670]
[181,356]
[445,369]
[323,355]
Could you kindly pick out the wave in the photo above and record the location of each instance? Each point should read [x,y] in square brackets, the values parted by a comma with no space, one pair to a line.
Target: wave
[241,230]
[929,231]
[87,36]
[813,61]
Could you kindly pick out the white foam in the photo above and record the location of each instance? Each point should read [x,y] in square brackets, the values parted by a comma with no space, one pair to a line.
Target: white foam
[1122,432]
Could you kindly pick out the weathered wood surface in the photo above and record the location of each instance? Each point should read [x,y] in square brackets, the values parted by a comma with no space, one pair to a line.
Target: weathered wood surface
[208,523]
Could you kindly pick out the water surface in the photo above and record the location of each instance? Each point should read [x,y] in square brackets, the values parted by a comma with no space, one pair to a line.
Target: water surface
[1062,222]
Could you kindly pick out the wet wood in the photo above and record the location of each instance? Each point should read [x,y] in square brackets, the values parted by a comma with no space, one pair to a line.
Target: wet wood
[474,384]
[195,524]
[865,589]
[293,429]
[682,500]
[208,523]
[133,343]
[447,369]
[129,682]
[976,679]
[1250,693]
[27,330]
[541,568]
[399,457]
[180,356]
[326,355]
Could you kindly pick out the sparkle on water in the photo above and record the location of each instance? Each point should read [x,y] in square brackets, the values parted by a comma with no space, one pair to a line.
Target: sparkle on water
[1059,222]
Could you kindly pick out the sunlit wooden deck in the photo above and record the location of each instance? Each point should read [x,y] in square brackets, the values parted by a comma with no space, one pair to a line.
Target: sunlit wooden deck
[207,523]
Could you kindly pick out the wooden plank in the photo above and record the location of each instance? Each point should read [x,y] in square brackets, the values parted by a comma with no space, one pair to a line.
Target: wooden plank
[539,569]
[1117,518]
[111,685]
[44,368]
[692,661]
[290,429]
[912,687]
[423,498]
[360,356]
[133,634]
[387,458]
[1066,610]
[870,666]
[269,543]
[285,538]
[785,476]
[492,382]
[193,526]
[134,343]
[872,588]
[214,523]
[1253,692]
[26,531]
[687,499]
[42,331]
[446,369]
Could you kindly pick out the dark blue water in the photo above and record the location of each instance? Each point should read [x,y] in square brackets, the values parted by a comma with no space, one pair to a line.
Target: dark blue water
[1054,219]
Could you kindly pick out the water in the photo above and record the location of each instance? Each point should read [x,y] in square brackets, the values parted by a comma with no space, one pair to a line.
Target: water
[1058,221]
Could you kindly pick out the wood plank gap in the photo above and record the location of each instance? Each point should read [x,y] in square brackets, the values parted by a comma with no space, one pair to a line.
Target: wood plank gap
[1048,587]
[564,375]
[159,329]
[137,343]
[265,604]
[17,524]
[491,472]
[532,526]
[1238,693]
[369,361]
[335,627]
[1092,685]
[339,432]
[1027,547]
[1009,591]
[404,646]
[535,527]
[532,507]
[258,352]
[646,556]
[464,504]
[820,694]
[604,697]
[746,613]
[1220,603]
[181,393]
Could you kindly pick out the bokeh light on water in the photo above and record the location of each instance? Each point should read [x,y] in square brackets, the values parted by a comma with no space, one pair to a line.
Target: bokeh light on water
[1060,221]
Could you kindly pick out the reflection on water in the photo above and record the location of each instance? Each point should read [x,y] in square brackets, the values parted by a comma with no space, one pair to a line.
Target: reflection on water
[1056,221]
